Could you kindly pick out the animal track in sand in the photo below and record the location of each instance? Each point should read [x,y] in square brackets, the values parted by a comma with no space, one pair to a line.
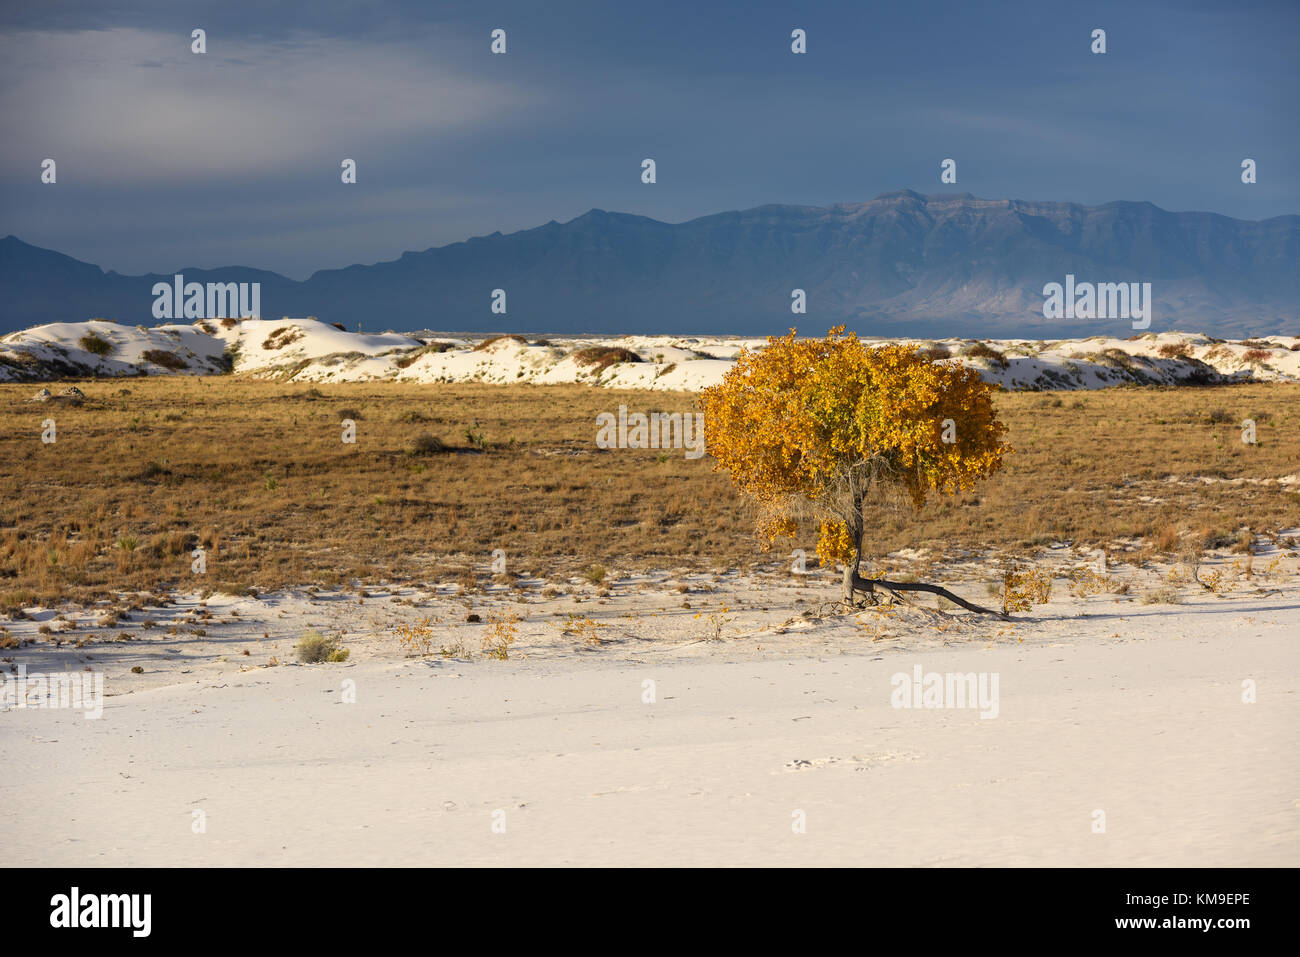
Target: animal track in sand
[856,762]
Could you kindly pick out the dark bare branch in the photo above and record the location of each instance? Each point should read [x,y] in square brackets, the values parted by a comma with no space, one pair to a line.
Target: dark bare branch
[869,585]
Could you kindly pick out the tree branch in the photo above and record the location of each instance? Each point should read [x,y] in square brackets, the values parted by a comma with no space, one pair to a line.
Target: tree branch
[869,585]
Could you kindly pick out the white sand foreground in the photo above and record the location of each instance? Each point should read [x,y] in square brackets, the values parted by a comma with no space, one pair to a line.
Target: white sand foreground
[1130,710]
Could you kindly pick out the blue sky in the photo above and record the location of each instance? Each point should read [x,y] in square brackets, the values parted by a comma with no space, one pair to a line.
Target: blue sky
[167,159]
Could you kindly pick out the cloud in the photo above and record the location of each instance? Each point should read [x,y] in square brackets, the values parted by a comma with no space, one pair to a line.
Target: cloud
[125,105]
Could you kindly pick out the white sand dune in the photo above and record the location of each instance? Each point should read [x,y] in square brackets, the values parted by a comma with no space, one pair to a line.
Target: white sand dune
[311,351]
[60,349]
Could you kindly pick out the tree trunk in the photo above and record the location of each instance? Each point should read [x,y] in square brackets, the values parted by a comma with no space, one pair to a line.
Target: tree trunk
[853,582]
[856,526]
[848,583]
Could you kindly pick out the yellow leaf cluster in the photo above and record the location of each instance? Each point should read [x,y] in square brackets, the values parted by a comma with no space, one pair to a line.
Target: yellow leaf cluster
[835,545]
[793,420]
[1024,588]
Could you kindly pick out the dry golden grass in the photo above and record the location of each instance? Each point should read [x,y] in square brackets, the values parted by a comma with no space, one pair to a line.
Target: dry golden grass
[255,471]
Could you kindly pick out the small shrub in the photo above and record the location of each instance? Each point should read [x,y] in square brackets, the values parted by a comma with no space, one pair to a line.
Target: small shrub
[155,469]
[168,360]
[282,337]
[404,361]
[594,574]
[314,648]
[1160,596]
[1209,538]
[600,358]
[1256,355]
[1088,581]
[501,632]
[583,628]
[1167,538]
[229,323]
[416,638]
[978,350]
[1021,590]
[717,621]
[1175,350]
[1119,357]
[425,444]
[95,345]
[1219,417]
[490,340]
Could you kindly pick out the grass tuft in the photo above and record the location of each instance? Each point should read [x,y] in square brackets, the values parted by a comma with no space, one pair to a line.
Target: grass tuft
[314,648]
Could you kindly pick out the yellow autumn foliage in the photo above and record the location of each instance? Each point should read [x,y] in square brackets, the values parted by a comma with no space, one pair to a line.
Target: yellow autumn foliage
[835,544]
[831,421]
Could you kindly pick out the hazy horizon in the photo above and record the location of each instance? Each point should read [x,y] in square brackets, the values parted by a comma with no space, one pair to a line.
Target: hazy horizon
[399,253]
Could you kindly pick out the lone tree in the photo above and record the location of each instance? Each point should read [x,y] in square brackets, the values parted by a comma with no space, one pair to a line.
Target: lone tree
[832,430]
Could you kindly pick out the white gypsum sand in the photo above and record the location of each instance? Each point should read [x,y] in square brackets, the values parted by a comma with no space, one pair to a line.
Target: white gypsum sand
[306,350]
[777,705]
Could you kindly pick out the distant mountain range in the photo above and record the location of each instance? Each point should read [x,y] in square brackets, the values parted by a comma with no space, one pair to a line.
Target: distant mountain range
[902,264]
